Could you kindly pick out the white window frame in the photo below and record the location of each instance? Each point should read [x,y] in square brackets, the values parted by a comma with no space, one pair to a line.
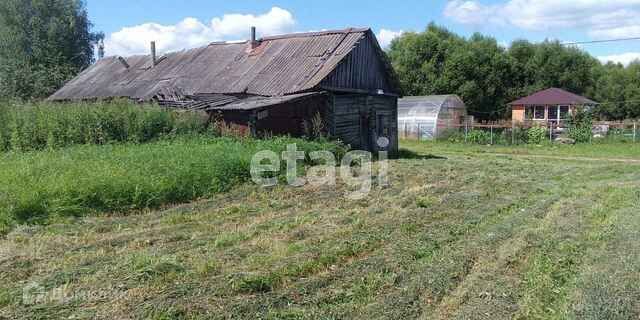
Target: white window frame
[544,114]
[557,118]
[526,114]
[560,113]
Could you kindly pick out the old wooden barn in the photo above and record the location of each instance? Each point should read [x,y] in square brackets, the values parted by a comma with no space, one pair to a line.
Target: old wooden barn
[276,84]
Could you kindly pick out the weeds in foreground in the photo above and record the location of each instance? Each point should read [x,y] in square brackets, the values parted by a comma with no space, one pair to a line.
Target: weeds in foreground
[40,186]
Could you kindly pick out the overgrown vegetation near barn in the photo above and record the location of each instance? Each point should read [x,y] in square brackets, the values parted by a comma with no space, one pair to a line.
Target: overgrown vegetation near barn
[42,125]
[61,160]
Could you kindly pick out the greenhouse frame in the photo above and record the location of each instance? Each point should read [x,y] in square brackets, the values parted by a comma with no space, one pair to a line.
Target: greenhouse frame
[428,117]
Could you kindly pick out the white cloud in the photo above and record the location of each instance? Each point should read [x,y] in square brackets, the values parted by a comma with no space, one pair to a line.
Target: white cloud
[385,36]
[191,32]
[601,19]
[234,25]
[472,12]
[624,58]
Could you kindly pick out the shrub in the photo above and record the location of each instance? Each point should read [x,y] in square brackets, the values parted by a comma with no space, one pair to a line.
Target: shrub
[501,136]
[38,126]
[451,135]
[479,136]
[581,126]
[537,135]
[520,135]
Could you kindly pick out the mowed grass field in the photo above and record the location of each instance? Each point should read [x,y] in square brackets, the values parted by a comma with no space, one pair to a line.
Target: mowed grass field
[461,232]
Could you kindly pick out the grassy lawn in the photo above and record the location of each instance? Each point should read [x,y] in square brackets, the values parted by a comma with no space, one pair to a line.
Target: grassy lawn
[613,150]
[45,186]
[460,233]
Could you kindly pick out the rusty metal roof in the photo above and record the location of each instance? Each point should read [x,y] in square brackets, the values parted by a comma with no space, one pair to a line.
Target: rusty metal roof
[553,96]
[258,102]
[279,65]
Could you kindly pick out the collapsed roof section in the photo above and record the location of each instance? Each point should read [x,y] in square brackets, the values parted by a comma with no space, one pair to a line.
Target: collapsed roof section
[223,102]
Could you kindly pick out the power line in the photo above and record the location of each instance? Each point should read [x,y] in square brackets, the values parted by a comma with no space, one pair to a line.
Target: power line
[599,41]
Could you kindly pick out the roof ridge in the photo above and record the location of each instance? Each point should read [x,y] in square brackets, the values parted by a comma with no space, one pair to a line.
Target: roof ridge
[279,67]
[314,33]
[296,35]
[546,94]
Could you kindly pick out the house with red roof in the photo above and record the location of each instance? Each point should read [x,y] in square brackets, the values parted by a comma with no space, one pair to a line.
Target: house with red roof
[552,105]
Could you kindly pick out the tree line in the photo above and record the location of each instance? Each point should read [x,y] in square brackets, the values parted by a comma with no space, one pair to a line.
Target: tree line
[487,76]
[43,44]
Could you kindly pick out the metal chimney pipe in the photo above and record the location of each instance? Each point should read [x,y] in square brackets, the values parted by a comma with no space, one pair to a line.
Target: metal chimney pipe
[154,60]
[254,41]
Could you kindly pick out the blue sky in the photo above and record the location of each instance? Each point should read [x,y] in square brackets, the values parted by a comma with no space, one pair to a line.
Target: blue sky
[130,25]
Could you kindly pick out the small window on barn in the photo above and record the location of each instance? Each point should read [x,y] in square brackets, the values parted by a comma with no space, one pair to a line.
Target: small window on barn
[538,113]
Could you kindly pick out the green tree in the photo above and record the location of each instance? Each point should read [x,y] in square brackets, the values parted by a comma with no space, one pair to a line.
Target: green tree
[556,65]
[419,59]
[480,73]
[438,61]
[43,44]
[611,84]
[487,76]
[632,91]
[618,89]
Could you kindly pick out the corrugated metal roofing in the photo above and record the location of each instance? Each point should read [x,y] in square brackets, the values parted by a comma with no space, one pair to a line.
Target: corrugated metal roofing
[279,65]
[258,102]
[553,96]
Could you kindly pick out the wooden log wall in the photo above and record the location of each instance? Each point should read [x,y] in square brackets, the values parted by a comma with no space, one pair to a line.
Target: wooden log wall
[359,120]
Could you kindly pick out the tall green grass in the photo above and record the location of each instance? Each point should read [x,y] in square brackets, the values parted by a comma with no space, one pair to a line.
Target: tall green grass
[42,125]
[42,185]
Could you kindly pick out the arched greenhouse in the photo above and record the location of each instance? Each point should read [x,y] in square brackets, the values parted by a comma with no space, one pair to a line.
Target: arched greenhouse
[428,117]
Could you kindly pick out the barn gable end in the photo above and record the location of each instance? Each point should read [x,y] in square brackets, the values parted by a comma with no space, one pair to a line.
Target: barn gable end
[365,68]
